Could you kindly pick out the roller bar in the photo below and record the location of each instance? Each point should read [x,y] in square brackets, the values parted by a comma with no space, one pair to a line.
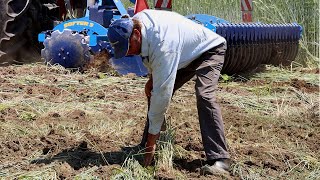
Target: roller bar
[252,44]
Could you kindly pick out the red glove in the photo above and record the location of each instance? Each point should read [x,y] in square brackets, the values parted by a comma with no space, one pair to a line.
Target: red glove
[150,149]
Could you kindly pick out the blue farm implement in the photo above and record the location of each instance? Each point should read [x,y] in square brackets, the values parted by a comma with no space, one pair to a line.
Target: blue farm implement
[74,43]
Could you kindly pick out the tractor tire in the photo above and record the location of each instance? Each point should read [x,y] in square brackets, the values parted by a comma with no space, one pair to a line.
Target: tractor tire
[21,21]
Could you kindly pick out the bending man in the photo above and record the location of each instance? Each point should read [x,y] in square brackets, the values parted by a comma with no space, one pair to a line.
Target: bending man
[175,49]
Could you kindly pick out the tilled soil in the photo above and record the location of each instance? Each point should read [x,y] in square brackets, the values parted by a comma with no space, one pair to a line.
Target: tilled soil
[80,122]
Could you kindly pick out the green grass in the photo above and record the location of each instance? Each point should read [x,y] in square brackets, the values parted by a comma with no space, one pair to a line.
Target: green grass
[305,13]
[131,169]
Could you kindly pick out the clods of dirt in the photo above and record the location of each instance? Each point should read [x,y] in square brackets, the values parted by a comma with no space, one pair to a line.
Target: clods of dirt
[304,86]
[189,165]
[64,171]
[77,115]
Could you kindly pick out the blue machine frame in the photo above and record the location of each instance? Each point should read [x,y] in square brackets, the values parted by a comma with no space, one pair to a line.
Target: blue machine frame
[97,35]
[96,28]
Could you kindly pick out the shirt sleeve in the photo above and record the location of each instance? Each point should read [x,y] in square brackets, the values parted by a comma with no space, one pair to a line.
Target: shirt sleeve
[164,70]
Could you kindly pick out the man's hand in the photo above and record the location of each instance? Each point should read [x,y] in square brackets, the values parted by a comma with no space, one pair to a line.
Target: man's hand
[150,149]
[148,87]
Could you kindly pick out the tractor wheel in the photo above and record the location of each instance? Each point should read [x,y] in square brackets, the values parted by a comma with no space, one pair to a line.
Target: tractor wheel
[21,21]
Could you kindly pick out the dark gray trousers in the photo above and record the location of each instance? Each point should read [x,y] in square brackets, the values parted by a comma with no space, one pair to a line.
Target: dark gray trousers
[206,69]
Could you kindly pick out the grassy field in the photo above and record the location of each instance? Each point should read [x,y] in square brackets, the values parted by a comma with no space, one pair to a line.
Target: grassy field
[55,124]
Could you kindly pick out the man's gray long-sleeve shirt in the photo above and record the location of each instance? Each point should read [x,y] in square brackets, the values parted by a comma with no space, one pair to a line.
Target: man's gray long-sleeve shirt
[170,42]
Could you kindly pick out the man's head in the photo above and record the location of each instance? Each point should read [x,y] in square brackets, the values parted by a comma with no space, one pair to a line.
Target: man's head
[125,37]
